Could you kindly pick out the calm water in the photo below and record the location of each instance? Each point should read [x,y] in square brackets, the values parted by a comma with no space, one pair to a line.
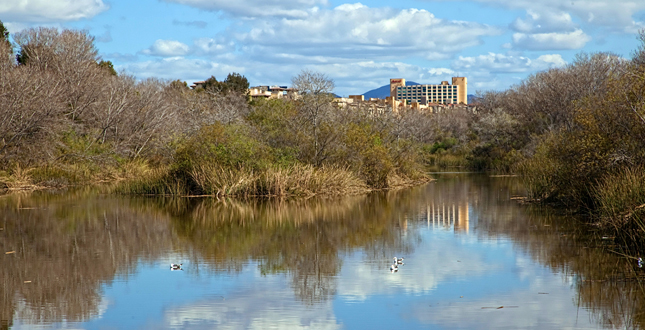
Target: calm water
[474,259]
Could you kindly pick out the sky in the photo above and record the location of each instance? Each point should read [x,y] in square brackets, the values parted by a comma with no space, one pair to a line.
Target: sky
[360,45]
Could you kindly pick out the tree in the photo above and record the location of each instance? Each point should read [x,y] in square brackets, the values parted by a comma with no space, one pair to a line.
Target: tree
[4,34]
[48,48]
[108,67]
[211,85]
[237,83]
[6,50]
[234,82]
[314,103]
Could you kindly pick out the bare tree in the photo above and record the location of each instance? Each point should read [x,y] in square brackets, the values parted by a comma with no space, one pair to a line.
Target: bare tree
[314,104]
[30,113]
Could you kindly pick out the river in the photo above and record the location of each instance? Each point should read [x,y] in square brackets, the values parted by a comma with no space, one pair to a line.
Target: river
[474,258]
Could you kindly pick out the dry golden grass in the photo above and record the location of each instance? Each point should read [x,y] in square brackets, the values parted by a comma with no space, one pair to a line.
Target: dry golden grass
[296,180]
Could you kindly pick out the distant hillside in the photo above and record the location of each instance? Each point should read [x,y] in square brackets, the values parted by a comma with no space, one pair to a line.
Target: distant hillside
[383,91]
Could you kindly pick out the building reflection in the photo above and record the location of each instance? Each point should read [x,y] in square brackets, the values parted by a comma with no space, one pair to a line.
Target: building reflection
[449,215]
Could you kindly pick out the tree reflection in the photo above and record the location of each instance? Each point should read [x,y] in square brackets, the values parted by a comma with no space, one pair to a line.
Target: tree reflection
[64,247]
[303,238]
[68,245]
[608,285]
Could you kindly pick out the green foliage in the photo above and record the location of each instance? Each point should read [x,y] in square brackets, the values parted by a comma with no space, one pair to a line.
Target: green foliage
[225,146]
[234,83]
[368,155]
[178,85]
[108,67]
[619,195]
[22,57]
[237,83]
[275,118]
[443,145]
[4,34]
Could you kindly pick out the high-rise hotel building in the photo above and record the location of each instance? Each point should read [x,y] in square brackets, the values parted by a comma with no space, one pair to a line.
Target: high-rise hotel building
[424,94]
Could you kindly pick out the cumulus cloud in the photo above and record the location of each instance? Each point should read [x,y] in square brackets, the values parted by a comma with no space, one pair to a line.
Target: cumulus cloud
[500,63]
[357,31]
[523,309]
[39,11]
[210,46]
[536,22]
[200,46]
[609,13]
[167,48]
[180,68]
[256,8]
[256,307]
[551,41]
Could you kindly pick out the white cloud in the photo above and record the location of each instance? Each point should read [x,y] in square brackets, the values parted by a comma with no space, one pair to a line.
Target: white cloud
[256,8]
[167,48]
[437,264]
[256,307]
[536,22]
[39,11]
[212,46]
[179,68]
[551,41]
[609,13]
[500,63]
[357,31]
[523,309]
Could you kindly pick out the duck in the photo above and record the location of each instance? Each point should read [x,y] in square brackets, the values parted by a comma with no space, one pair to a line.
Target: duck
[398,260]
[394,268]
[175,266]
[640,262]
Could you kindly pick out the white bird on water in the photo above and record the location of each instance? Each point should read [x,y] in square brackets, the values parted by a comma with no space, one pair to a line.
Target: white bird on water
[394,268]
[398,261]
[175,266]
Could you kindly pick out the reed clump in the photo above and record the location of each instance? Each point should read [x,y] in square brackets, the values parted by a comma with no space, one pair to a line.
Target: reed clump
[448,160]
[215,180]
[620,199]
[158,181]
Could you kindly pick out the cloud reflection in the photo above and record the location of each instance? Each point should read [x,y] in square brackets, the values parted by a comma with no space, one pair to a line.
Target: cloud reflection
[257,307]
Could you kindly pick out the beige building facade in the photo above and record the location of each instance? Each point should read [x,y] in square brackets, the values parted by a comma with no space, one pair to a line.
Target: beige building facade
[444,93]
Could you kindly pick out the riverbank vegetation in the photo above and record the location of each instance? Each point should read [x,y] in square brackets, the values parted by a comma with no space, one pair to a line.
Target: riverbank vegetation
[576,134]
[67,118]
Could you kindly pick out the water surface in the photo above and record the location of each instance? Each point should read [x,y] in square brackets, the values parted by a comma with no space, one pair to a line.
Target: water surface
[474,259]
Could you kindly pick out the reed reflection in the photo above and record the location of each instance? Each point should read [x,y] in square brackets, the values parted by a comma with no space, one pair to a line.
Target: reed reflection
[606,283]
[303,238]
[64,247]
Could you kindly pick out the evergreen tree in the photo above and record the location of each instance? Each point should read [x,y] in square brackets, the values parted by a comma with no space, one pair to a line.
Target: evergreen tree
[108,67]
[237,83]
[4,34]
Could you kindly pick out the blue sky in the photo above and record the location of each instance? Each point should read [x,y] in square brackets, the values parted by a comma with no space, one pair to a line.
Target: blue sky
[360,45]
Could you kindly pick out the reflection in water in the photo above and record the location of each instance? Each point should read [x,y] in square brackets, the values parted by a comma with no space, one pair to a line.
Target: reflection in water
[64,247]
[71,247]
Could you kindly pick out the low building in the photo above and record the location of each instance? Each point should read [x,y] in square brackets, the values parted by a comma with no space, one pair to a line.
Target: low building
[198,84]
[272,92]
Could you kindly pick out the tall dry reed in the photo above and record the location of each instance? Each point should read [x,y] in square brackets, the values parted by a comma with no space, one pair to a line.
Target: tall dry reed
[295,180]
[620,198]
